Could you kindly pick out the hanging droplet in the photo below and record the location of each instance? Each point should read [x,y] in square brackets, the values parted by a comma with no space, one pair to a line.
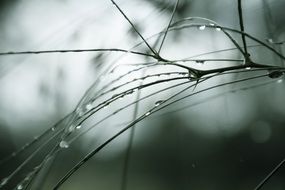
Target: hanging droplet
[106,106]
[78,127]
[158,103]
[201,62]
[147,113]
[218,29]
[202,27]
[19,187]
[63,144]
[275,74]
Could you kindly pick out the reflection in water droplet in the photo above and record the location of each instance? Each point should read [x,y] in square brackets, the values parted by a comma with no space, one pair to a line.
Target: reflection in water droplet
[63,144]
[78,127]
[147,113]
[248,68]
[202,27]
[275,74]
[19,187]
[158,103]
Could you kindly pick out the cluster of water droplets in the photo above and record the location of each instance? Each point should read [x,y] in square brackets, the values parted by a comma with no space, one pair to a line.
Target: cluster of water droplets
[212,25]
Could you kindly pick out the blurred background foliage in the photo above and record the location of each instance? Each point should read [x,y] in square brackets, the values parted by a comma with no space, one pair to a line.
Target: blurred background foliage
[226,138]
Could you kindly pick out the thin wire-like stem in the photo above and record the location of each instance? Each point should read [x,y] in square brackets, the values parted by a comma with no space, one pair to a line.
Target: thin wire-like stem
[135,29]
[242,26]
[235,31]
[266,179]
[169,24]
[151,111]
[76,51]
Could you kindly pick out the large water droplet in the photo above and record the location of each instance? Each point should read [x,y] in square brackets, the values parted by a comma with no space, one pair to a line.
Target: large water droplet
[19,187]
[63,144]
[275,74]
[147,113]
[158,103]
[202,27]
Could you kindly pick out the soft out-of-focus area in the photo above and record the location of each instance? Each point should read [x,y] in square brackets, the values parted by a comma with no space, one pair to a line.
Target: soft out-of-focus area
[223,133]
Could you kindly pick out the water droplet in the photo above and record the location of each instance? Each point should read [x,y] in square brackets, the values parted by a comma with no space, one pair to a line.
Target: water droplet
[71,128]
[78,127]
[4,182]
[52,129]
[89,106]
[270,40]
[63,144]
[121,97]
[280,81]
[275,74]
[158,103]
[218,29]
[248,68]
[212,24]
[201,62]
[202,27]
[19,187]
[147,113]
